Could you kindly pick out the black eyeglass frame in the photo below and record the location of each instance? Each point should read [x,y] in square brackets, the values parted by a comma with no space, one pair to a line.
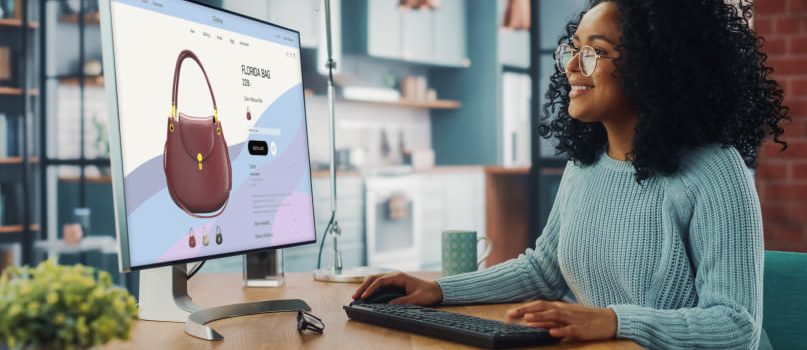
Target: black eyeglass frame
[562,66]
[307,321]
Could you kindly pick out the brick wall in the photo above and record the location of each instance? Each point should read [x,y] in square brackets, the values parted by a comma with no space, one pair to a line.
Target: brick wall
[782,177]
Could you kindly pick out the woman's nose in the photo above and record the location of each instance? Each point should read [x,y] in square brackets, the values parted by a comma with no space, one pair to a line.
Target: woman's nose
[573,65]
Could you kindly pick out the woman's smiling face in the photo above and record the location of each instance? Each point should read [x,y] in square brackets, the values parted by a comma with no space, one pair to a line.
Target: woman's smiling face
[599,96]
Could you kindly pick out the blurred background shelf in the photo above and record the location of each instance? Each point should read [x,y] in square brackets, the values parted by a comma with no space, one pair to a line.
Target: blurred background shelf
[89,18]
[17,160]
[436,104]
[11,160]
[17,228]
[14,22]
[96,81]
[100,179]
[7,90]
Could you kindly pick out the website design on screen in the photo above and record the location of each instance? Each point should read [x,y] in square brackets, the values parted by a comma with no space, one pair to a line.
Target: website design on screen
[213,134]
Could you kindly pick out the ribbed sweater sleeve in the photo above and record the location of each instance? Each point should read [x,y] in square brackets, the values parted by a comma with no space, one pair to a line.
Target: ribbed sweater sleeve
[533,274]
[725,238]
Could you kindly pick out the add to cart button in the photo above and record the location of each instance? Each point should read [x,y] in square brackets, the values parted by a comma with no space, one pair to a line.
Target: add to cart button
[258,148]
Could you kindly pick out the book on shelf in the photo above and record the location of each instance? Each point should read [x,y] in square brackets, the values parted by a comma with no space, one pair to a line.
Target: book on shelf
[9,255]
[11,9]
[12,203]
[5,63]
[4,135]
[10,136]
[18,4]
[2,207]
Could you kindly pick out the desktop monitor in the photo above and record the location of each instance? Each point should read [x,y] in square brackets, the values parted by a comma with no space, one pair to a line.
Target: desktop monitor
[208,133]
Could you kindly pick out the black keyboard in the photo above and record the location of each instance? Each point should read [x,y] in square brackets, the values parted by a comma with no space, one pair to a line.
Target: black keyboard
[450,326]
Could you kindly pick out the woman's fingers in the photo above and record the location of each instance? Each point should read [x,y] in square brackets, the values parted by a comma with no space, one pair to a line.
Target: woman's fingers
[570,321]
[547,325]
[364,285]
[394,279]
[551,315]
[377,283]
[568,332]
[535,306]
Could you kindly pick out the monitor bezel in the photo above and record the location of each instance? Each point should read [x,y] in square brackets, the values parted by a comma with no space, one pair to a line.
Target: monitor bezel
[116,155]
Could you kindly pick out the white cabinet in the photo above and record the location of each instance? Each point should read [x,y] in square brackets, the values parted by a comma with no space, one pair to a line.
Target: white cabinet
[417,29]
[452,200]
[384,29]
[305,16]
[436,201]
[449,41]
[350,213]
[300,15]
[393,219]
[383,42]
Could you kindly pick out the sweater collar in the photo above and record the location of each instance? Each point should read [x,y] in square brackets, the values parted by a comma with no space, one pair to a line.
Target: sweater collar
[613,164]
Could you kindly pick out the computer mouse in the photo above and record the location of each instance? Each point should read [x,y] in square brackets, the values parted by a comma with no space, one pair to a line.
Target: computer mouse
[382,295]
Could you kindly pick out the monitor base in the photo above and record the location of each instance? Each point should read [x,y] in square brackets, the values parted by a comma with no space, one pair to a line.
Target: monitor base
[196,325]
[164,294]
[351,275]
[164,297]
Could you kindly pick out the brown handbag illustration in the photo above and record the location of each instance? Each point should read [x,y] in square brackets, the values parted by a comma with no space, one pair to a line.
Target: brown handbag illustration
[196,160]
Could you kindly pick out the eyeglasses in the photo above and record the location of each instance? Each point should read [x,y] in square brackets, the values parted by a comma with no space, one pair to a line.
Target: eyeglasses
[306,321]
[587,60]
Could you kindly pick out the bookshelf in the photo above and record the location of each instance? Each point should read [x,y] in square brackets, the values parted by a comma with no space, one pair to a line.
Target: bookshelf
[19,119]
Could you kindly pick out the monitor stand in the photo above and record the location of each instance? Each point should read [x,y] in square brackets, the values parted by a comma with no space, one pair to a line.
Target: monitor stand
[164,297]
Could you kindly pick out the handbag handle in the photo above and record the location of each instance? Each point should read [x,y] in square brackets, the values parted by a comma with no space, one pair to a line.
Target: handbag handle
[182,56]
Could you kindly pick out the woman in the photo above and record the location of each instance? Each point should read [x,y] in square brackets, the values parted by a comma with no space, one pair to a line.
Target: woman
[656,231]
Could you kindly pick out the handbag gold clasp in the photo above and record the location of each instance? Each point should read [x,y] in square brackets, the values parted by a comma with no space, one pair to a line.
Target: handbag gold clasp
[199,158]
[171,116]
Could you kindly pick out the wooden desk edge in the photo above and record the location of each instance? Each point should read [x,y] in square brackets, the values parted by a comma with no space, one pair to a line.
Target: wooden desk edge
[266,330]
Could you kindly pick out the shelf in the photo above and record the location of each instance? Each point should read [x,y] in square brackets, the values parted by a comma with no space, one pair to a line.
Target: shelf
[89,18]
[17,160]
[436,104]
[17,228]
[11,160]
[105,244]
[14,22]
[501,170]
[12,91]
[95,81]
[96,179]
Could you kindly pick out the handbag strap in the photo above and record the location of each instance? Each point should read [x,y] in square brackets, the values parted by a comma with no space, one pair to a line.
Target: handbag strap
[175,91]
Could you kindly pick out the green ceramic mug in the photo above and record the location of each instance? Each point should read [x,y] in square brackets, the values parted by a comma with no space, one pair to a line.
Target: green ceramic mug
[459,251]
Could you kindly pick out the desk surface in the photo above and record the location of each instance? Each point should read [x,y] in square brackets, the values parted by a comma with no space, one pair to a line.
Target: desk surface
[279,331]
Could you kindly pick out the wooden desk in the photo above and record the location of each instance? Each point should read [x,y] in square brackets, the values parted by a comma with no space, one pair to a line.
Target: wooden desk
[279,331]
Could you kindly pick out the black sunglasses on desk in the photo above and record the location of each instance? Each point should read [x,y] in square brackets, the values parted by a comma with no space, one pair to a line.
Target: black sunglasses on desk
[307,321]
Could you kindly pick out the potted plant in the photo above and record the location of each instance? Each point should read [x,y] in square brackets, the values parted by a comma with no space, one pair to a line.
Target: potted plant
[62,307]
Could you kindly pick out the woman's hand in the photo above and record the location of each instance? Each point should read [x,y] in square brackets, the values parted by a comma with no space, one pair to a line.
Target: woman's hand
[570,321]
[418,291]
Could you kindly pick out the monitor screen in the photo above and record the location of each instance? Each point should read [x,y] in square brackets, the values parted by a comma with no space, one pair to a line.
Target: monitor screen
[210,147]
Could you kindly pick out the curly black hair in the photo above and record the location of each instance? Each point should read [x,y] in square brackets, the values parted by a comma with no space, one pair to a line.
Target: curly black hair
[695,75]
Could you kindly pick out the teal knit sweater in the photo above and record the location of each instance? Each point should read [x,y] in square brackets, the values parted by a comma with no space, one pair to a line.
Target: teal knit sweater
[678,258]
